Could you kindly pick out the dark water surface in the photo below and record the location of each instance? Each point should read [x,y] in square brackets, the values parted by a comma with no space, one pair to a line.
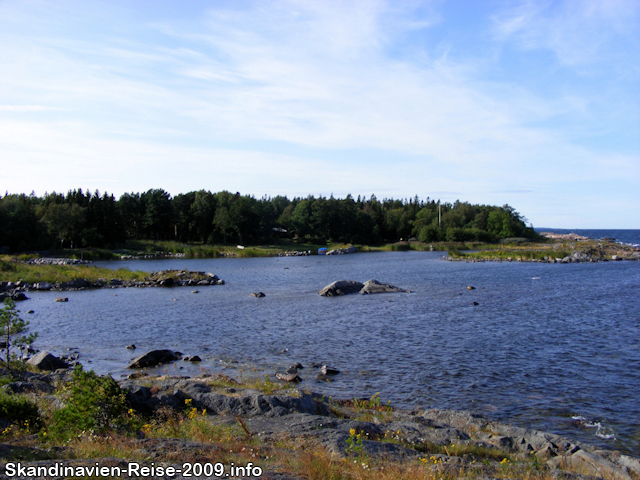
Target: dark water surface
[552,347]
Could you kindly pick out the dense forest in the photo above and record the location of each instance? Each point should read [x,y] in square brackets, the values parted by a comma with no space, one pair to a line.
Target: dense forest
[85,219]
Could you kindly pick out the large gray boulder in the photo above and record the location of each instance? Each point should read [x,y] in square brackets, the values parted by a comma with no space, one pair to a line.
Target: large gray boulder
[47,361]
[154,358]
[341,287]
[374,286]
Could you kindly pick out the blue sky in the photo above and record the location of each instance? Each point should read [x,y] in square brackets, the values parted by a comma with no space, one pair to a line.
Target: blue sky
[531,103]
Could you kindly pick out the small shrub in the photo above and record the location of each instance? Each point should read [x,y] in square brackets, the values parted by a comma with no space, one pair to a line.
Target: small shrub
[92,404]
[354,443]
[19,411]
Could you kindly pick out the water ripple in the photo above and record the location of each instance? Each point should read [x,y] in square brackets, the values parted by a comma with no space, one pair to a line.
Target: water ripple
[533,352]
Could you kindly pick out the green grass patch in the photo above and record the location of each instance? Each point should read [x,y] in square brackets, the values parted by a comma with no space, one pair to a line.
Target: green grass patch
[525,254]
[12,271]
[460,449]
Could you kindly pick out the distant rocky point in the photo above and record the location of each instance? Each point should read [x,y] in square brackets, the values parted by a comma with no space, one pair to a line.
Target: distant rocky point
[165,278]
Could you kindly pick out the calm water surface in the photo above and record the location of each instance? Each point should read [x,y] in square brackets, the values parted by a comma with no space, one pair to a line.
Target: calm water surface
[546,344]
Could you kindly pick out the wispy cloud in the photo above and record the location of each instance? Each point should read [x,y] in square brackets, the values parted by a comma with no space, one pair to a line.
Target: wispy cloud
[220,100]
[580,33]
[28,108]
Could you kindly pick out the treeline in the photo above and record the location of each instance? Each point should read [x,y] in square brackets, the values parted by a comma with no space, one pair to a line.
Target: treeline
[85,219]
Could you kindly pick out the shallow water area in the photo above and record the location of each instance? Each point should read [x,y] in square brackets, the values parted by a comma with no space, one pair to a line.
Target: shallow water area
[545,344]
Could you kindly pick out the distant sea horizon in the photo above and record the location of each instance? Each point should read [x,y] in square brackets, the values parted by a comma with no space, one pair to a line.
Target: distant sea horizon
[624,236]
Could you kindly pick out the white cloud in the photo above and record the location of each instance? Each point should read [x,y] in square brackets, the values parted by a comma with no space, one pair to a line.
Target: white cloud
[210,103]
[580,33]
[27,108]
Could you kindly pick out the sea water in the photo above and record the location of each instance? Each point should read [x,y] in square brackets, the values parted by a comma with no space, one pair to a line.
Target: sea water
[554,347]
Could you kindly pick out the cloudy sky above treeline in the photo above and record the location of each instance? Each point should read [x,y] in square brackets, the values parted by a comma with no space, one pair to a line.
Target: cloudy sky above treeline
[531,103]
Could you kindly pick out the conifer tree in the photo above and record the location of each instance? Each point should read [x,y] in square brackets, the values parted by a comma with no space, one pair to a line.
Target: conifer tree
[12,328]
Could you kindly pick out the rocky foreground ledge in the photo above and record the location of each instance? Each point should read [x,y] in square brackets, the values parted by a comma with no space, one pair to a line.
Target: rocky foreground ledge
[280,428]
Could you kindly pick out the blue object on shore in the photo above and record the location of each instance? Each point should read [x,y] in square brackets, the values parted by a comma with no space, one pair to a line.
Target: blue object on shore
[322,251]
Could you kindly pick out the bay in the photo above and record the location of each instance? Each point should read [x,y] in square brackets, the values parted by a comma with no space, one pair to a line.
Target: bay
[552,347]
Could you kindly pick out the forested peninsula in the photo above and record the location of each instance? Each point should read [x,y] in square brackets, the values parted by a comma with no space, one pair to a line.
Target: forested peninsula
[82,219]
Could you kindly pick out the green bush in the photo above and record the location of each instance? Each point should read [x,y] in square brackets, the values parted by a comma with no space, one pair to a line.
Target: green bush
[92,404]
[19,411]
[430,233]
[7,266]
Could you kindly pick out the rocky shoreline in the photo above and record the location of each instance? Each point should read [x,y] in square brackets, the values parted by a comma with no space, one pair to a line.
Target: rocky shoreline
[288,422]
[582,251]
[165,278]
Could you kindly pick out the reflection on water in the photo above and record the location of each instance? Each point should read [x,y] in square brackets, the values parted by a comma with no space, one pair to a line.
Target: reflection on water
[545,344]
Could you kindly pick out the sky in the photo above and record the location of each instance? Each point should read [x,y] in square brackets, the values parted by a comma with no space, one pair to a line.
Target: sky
[535,104]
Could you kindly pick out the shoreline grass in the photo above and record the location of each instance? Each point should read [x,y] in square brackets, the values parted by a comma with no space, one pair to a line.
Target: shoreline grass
[149,248]
[12,271]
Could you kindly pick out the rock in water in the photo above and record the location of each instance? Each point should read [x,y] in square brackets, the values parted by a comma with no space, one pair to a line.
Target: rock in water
[329,371]
[257,294]
[288,377]
[341,287]
[324,378]
[47,361]
[374,286]
[154,358]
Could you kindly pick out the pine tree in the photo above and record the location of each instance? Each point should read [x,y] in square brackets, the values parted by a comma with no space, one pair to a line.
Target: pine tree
[12,327]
